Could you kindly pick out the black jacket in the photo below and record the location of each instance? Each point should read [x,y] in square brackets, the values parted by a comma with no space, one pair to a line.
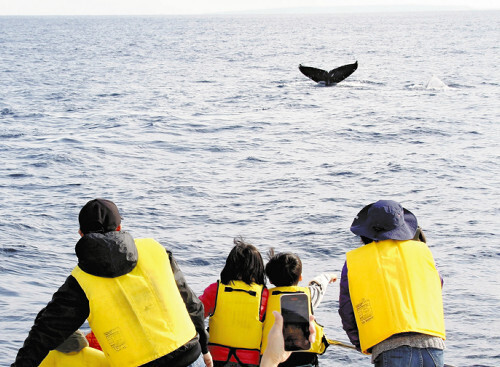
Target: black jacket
[106,255]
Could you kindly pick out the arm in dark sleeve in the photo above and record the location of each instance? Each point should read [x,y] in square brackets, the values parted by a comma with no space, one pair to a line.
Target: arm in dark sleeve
[62,316]
[193,303]
[440,276]
[346,311]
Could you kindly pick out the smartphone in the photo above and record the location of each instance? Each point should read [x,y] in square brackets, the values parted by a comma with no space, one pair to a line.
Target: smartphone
[295,312]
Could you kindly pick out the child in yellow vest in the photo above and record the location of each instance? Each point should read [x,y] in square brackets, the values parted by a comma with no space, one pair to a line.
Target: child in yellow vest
[236,305]
[284,271]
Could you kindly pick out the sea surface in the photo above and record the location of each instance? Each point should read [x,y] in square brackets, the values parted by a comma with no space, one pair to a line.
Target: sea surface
[201,129]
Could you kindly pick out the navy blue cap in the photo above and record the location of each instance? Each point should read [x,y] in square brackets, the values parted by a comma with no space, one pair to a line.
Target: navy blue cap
[385,220]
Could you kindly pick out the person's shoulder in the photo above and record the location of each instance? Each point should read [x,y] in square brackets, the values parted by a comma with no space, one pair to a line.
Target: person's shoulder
[212,287]
[209,294]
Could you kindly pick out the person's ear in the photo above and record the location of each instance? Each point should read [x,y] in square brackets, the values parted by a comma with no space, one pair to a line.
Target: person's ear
[300,278]
[80,232]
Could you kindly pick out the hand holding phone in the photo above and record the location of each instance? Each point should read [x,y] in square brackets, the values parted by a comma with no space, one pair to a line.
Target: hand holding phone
[295,312]
[275,352]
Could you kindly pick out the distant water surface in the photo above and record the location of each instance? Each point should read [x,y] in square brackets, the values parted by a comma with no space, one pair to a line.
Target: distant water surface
[202,129]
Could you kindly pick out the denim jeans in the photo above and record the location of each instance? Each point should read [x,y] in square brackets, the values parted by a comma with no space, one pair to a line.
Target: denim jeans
[405,356]
[198,363]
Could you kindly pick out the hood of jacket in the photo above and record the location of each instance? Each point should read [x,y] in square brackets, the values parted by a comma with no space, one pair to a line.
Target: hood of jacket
[108,255]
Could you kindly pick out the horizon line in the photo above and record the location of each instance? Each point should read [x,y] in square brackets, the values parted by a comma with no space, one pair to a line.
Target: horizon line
[287,11]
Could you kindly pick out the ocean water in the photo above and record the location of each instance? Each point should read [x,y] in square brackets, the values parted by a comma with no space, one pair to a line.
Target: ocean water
[202,128]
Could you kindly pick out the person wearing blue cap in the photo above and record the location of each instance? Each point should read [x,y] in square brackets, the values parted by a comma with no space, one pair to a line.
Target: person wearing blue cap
[390,298]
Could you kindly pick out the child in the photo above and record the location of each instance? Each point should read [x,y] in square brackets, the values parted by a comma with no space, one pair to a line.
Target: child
[236,305]
[284,271]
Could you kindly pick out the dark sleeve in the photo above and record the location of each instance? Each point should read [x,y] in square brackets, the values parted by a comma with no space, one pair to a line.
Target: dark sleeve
[63,315]
[193,303]
[346,311]
[440,276]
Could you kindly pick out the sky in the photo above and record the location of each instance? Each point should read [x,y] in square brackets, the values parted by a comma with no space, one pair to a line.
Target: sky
[167,7]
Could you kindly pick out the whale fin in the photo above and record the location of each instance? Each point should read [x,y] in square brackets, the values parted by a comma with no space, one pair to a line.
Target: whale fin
[333,76]
[315,74]
[342,72]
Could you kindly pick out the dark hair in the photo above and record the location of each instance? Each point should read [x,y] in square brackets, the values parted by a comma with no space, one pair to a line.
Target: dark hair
[244,263]
[366,240]
[283,269]
[419,235]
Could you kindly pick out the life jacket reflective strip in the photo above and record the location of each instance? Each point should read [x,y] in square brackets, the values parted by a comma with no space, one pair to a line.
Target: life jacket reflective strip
[274,304]
[235,322]
[140,316]
[87,357]
[394,288]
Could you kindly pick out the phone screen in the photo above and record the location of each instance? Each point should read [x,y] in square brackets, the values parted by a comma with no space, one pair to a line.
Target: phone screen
[295,312]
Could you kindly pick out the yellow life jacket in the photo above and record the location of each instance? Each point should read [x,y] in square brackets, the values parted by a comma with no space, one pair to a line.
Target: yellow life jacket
[87,357]
[394,288]
[274,304]
[235,322]
[140,316]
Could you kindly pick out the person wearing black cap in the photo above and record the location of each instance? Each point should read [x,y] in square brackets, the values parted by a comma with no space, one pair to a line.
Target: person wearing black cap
[133,295]
[390,298]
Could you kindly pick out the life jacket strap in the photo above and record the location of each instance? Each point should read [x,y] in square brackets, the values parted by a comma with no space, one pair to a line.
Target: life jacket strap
[275,292]
[232,353]
[229,289]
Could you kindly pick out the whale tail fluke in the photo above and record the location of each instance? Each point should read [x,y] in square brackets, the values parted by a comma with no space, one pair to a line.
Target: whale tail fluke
[342,72]
[315,74]
[332,77]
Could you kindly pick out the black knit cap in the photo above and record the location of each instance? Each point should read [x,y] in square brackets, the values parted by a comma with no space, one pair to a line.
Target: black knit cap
[99,215]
